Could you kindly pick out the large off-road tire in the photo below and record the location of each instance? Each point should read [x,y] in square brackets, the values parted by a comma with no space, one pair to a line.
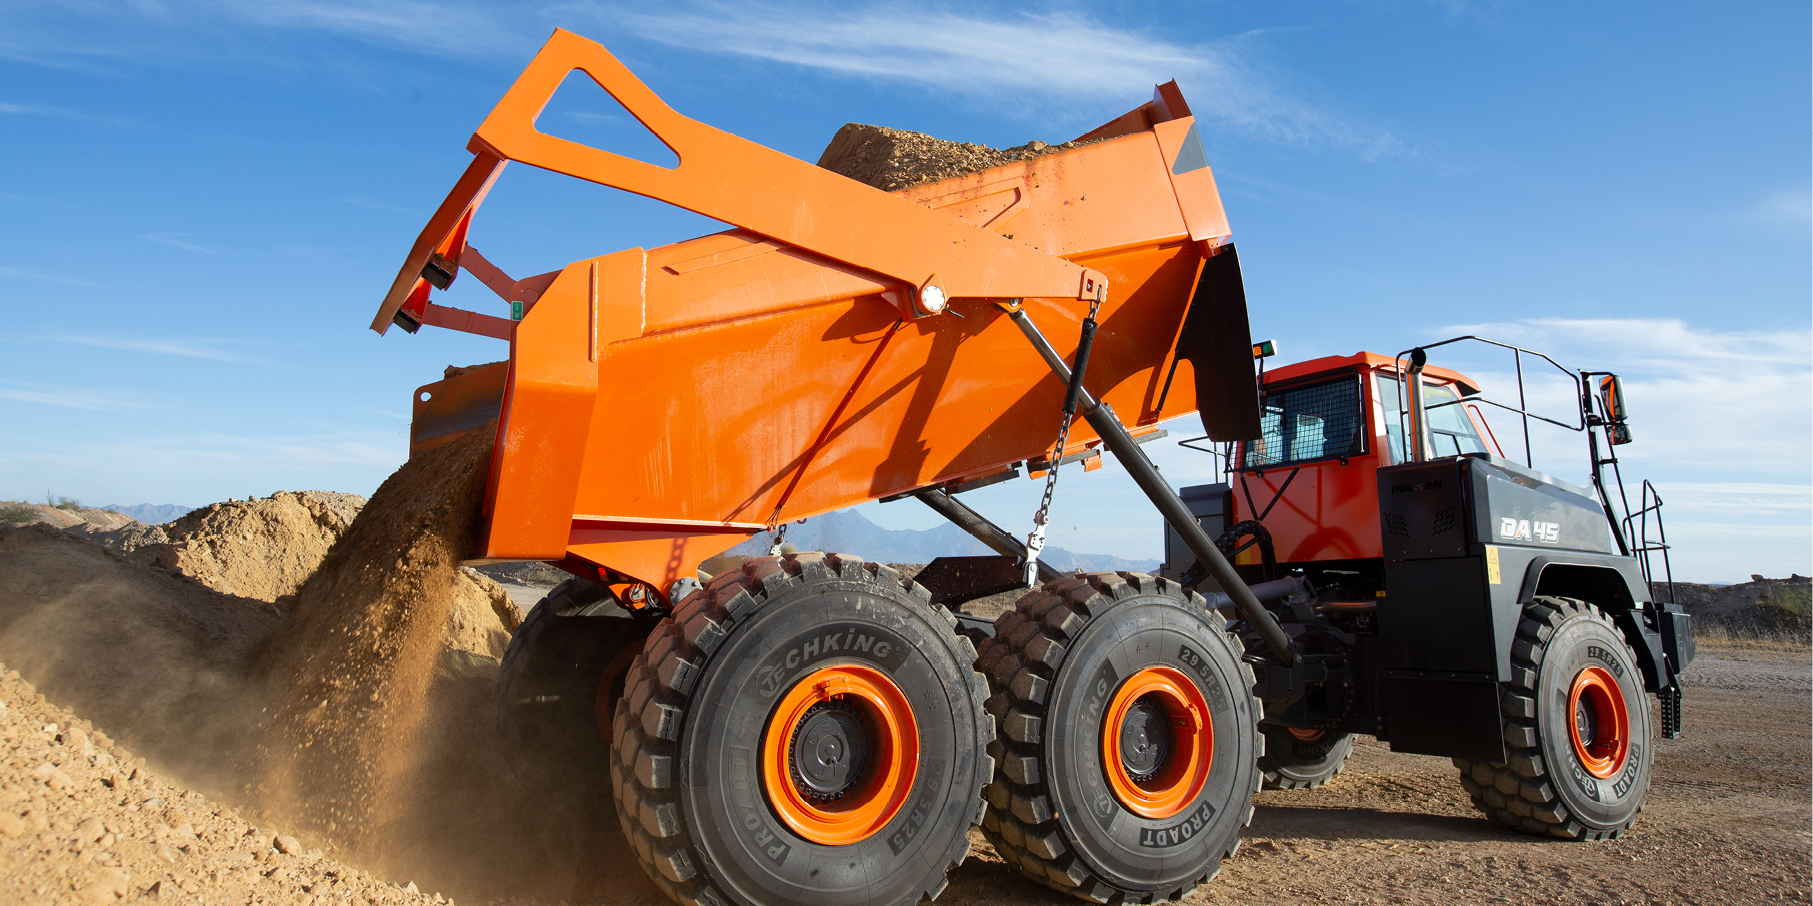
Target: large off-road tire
[1128,749]
[1299,760]
[806,729]
[558,688]
[1577,729]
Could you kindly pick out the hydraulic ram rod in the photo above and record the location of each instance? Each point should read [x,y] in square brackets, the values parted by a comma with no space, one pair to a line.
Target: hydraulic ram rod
[1114,435]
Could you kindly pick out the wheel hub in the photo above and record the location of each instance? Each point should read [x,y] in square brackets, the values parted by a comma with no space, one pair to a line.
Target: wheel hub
[840,753]
[830,750]
[1600,726]
[1145,739]
[1157,742]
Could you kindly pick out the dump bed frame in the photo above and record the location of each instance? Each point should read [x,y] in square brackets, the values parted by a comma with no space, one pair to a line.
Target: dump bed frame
[841,344]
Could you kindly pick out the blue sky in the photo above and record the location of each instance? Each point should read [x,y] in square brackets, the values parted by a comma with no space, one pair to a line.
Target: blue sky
[201,204]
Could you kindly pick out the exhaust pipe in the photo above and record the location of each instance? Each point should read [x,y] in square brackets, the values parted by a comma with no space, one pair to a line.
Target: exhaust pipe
[1418,438]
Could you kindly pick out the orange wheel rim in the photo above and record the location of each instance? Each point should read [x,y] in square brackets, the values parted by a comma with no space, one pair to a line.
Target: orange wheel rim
[1157,742]
[1599,725]
[839,754]
[1303,735]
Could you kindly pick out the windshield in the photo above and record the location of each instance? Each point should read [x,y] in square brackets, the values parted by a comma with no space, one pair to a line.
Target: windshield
[1308,422]
[1451,432]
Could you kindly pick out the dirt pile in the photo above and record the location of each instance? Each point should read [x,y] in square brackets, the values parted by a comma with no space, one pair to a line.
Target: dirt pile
[261,548]
[66,515]
[164,662]
[83,820]
[895,159]
[1759,605]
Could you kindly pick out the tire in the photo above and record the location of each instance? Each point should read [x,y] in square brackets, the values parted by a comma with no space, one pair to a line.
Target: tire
[705,802]
[575,645]
[1559,781]
[1064,662]
[1292,762]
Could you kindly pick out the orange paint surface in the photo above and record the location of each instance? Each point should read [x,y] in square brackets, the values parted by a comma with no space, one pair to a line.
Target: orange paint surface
[661,405]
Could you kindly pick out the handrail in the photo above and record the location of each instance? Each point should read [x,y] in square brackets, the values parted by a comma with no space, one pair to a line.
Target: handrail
[1522,407]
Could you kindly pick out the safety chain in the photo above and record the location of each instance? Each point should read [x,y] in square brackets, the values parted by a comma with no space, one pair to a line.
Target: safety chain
[1035,541]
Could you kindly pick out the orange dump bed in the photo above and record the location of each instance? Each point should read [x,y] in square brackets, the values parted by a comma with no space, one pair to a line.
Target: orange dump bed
[841,345]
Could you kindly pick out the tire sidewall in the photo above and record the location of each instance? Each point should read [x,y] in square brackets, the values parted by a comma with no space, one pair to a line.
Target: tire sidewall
[1132,851]
[746,848]
[1582,641]
[547,692]
[1312,761]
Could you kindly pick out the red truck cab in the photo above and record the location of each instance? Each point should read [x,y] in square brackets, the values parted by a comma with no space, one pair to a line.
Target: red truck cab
[1310,480]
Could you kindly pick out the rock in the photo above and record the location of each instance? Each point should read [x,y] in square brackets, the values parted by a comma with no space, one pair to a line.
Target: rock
[288,845]
[109,885]
[91,829]
[894,159]
[11,825]
[52,776]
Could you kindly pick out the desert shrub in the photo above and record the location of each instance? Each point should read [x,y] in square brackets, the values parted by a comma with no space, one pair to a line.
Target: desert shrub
[69,504]
[12,512]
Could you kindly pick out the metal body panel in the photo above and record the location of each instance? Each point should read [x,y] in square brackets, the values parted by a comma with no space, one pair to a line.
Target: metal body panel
[1208,503]
[661,404]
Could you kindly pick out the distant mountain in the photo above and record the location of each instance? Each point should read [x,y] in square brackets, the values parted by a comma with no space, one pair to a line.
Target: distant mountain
[151,513]
[850,532]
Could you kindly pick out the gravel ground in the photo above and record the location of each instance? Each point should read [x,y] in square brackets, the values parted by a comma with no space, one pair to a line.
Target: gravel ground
[84,821]
[1727,822]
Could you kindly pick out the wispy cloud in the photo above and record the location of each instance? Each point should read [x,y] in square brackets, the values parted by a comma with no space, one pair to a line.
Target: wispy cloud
[1054,57]
[1785,207]
[175,240]
[14,273]
[57,113]
[190,348]
[67,397]
[1747,498]
[1738,404]
[1064,55]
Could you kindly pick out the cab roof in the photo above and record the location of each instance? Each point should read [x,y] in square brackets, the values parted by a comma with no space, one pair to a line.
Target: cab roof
[1366,361]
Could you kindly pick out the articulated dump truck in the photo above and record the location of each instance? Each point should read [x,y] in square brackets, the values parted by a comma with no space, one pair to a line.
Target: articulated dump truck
[815,727]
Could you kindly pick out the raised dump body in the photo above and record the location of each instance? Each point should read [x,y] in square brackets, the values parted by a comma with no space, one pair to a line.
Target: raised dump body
[842,345]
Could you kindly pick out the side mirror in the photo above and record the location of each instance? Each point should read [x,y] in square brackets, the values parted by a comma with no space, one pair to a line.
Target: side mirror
[1611,397]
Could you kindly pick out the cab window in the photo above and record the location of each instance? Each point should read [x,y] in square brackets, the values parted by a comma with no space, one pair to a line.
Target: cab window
[1308,422]
[1451,432]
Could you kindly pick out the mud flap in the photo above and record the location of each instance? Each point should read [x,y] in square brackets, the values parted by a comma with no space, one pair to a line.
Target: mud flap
[956,580]
[1218,343]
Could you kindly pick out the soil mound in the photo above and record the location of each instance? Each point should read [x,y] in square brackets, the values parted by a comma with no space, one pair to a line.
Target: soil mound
[164,662]
[1760,605]
[153,655]
[83,820]
[895,159]
[262,548]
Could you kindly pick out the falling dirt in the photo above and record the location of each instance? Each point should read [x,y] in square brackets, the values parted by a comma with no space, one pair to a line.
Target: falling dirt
[350,669]
[895,159]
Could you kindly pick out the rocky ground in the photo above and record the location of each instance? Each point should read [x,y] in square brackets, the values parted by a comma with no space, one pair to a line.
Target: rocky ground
[124,769]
